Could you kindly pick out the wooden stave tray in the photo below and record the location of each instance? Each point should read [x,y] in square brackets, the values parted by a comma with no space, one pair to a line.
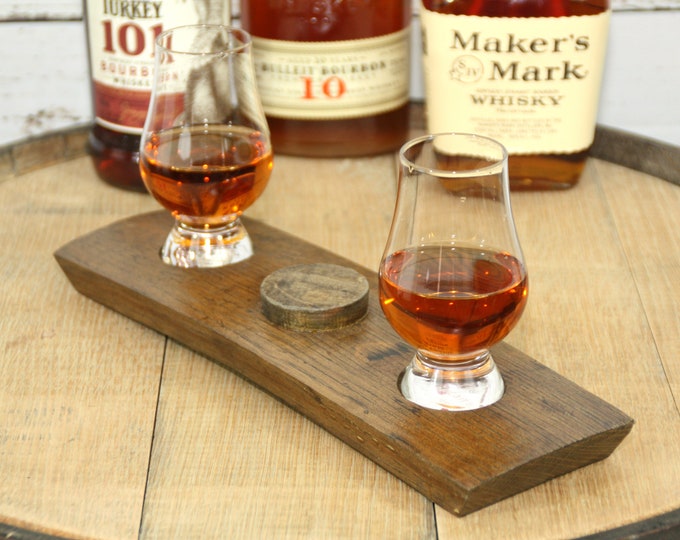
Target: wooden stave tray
[544,426]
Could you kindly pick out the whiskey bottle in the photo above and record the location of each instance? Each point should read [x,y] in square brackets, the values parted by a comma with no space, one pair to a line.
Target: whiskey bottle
[525,72]
[333,75]
[121,39]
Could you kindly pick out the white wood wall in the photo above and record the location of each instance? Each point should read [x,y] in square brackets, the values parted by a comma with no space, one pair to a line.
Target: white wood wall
[44,83]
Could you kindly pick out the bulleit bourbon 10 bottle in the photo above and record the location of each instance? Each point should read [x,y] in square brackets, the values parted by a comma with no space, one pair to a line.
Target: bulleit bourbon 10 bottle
[121,39]
[525,72]
[333,75]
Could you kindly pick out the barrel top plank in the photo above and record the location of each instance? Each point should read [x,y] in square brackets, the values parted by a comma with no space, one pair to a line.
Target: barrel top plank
[111,431]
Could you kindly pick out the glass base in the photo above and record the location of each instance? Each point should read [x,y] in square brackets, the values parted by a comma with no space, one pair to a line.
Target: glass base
[452,386]
[190,247]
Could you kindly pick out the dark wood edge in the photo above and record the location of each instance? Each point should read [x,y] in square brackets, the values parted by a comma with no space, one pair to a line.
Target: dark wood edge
[8,532]
[642,154]
[662,527]
[38,152]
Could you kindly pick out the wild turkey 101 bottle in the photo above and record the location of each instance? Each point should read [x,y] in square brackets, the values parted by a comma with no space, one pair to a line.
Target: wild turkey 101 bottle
[121,40]
[524,72]
[333,75]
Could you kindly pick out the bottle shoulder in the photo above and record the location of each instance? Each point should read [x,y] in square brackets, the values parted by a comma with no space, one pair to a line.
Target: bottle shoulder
[302,20]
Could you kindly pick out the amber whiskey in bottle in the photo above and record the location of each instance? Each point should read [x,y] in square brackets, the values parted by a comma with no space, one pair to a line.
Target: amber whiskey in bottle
[525,72]
[121,39]
[333,75]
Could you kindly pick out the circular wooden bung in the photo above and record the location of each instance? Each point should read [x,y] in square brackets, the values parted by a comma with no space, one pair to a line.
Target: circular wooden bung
[310,297]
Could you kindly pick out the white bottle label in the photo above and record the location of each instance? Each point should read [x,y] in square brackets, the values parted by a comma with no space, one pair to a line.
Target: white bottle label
[531,83]
[332,79]
[122,37]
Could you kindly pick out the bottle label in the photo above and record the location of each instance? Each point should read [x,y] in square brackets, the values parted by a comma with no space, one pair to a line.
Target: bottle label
[531,83]
[332,79]
[122,37]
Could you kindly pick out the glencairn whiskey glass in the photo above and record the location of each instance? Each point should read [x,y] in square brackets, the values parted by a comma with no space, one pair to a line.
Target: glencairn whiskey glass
[205,151]
[452,277]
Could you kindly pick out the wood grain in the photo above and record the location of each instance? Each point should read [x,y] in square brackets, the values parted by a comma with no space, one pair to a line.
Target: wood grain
[198,452]
[60,384]
[346,381]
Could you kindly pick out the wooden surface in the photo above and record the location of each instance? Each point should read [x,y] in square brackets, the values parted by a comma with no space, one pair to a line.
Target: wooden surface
[347,380]
[110,430]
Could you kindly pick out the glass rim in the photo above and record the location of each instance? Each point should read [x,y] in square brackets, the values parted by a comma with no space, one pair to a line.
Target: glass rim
[242,35]
[492,168]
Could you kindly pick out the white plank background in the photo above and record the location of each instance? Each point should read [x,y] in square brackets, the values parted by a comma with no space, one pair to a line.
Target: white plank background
[44,82]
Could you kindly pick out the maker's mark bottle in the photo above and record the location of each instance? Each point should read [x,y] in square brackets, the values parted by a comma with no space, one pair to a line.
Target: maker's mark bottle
[333,75]
[121,38]
[525,72]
